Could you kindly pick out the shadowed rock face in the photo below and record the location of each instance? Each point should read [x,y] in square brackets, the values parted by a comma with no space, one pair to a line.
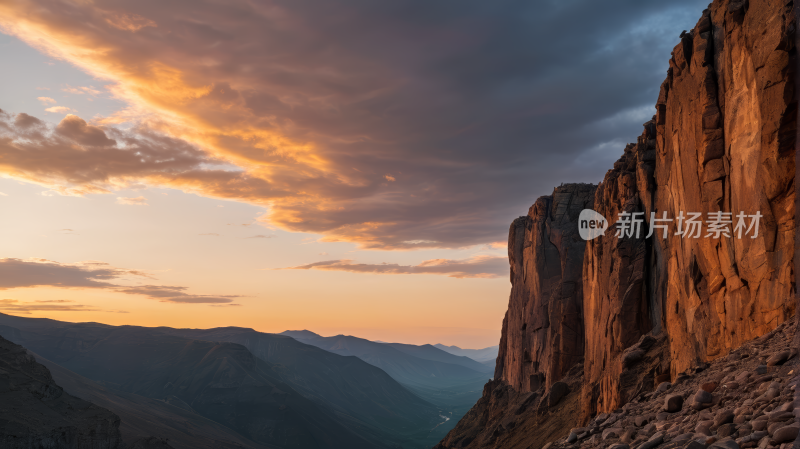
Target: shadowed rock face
[616,306]
[543,328]
[37,413]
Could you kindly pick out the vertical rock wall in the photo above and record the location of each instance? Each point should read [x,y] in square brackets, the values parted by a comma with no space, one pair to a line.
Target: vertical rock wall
[723,139]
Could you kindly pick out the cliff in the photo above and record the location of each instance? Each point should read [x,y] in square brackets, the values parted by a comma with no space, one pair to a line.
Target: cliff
[37,413]
[613,317]
[543,334]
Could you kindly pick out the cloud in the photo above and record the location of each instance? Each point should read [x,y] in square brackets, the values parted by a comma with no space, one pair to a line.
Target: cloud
[478,107]
[25,308]
[23,121]
[18,273]
[77,130]
[59,109]
[46,100]
[475,267]
[260,236]
[138,201]
[177,295]
[81,90]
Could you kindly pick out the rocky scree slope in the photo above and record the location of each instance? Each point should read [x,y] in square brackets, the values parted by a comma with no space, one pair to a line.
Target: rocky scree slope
[747,399]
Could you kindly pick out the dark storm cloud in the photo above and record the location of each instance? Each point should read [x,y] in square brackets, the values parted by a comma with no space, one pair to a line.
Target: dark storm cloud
[390,124]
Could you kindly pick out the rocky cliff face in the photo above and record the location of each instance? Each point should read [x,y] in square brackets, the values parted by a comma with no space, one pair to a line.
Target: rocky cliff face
[543,329]
[723,140]
[37,413]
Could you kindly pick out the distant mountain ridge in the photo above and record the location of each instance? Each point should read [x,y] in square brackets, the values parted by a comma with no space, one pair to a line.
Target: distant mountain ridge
[416,366]
[357,391]
[480,355]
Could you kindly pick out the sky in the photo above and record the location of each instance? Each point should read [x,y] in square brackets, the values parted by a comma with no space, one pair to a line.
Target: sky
[347,167]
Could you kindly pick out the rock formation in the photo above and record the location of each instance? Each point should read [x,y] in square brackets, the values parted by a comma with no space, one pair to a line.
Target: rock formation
[37,413]
[649,308]
[543,329]
[723,140]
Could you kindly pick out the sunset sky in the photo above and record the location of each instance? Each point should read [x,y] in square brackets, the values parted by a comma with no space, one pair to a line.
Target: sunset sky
[341,166]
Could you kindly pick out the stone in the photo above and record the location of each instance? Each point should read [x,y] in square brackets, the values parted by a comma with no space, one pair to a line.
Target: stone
[663,386]
[643,420]
[723,417]
[613,432]
[725,444]
[726,430]
[654,441]
[673,403]
[786,433]
[573,437]
[556,393]
[709,387]
[630,358]
[778,359]
[694,444]
[703,396]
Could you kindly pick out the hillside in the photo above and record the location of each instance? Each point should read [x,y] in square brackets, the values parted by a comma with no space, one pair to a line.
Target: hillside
[36,412]
[365,396]
[222,382]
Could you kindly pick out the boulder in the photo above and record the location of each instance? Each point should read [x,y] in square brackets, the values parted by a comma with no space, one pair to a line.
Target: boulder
[673,403]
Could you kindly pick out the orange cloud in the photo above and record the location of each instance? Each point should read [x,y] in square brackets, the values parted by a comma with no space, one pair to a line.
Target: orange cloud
[305,130]
[59,109]
[138,201]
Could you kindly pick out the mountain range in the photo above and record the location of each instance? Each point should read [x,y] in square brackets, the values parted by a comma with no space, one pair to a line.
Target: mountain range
[236,387]
[481,355]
